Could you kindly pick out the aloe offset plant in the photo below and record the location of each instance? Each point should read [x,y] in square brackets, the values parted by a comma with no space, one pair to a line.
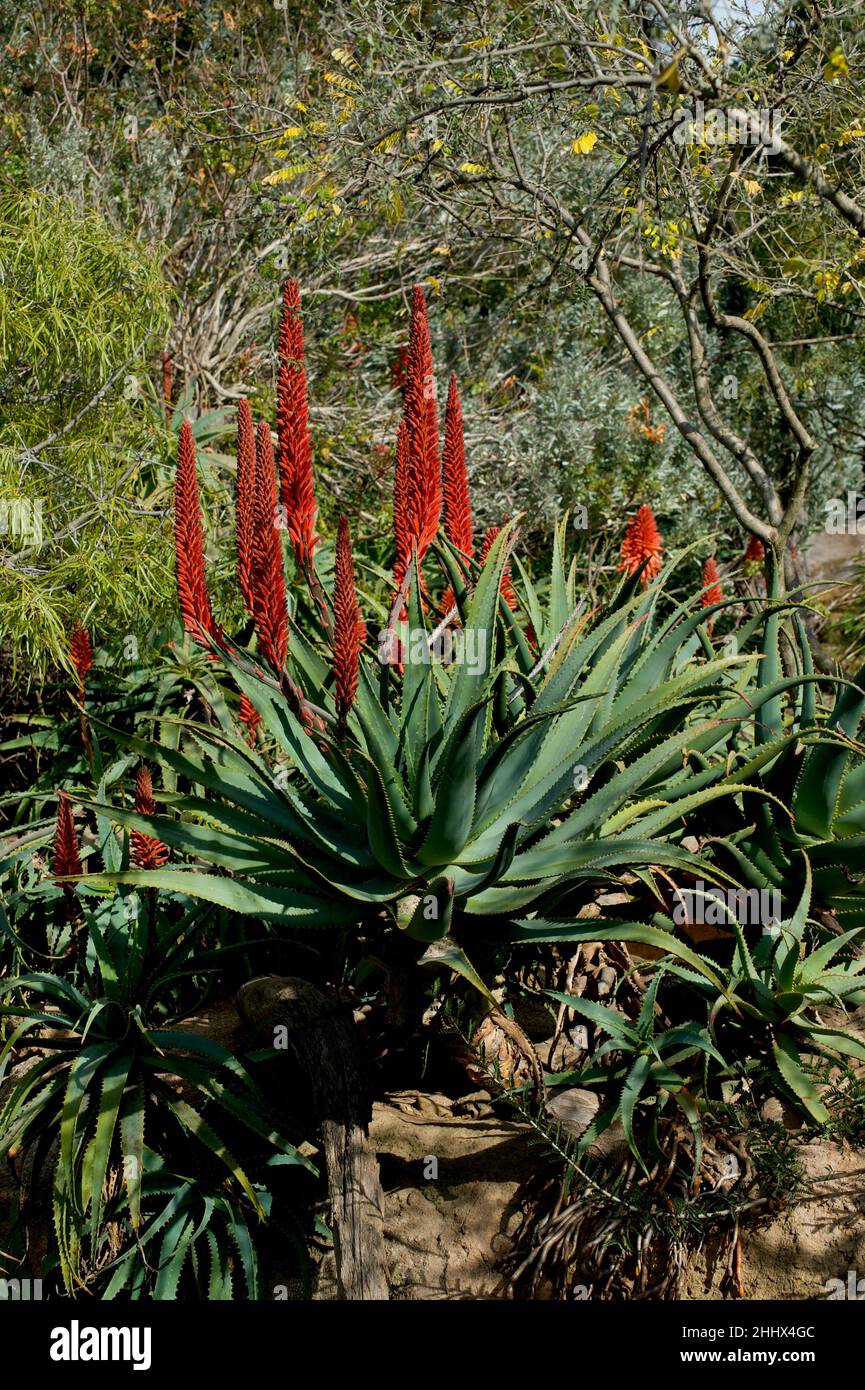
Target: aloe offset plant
[636,1062]
[815,783]
[124,1091]
[194,1238]
[754,1017]
[778,985]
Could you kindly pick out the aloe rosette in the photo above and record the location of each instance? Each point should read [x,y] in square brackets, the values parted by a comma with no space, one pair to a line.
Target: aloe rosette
[461,798]
[815,780]
[476,794]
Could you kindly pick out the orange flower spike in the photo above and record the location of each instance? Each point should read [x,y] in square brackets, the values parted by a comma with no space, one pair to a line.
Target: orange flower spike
[754,554]
[421,417]
[189,547]
[66,858]
[349,630]
[244,500]
[269,610]
[249,716]
[712,591]
[459,524]
[145,850]
[506,588]
[642,543]
[402,528]
[81,655]
[297,492]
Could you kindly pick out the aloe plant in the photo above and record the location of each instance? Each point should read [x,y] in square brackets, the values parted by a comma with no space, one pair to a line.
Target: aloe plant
[815,780]
[644,1064]
[779,984]
[450,799]
[445,798]
[192,1237]
[116,1083]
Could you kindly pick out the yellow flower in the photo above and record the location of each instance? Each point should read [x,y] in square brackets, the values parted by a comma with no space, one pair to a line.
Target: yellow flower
[836,66]
[584,144]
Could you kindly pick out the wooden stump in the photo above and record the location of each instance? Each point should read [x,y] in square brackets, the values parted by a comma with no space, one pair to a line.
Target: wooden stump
[323,1044]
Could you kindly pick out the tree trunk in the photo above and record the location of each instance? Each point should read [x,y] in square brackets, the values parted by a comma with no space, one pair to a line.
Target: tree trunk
[322,1040]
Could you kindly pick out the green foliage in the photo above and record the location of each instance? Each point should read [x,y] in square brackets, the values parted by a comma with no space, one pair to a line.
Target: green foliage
[463,793]
[79,303]
[469,809]
[646,1063]
[775,987]
[820,777]
[760,1007]
[194,1240]
[81,309]
[129,1096]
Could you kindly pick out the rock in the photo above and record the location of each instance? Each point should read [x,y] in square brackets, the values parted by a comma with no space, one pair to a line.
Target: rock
[563,1056]
[612,1144]
[782,1113]
[588,911]
[606,979]
[574,1110]
[772,1109]
[536,1017]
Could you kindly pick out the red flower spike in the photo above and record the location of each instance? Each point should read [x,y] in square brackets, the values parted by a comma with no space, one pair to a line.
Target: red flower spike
[268,579]
[447,602]
[167,386]
[146,851]
[421,417]
[754,559]
[402,531]
[249,716]
[642,542]
[144,803]
[754,552]
[66,859]
[347,624]
[292,415]
[244,500]
[189,547]
[459,525]
[81,655]
[712,591]
[506,588]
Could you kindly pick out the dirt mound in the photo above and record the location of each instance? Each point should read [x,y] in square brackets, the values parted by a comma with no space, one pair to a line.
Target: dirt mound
[447,1235]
